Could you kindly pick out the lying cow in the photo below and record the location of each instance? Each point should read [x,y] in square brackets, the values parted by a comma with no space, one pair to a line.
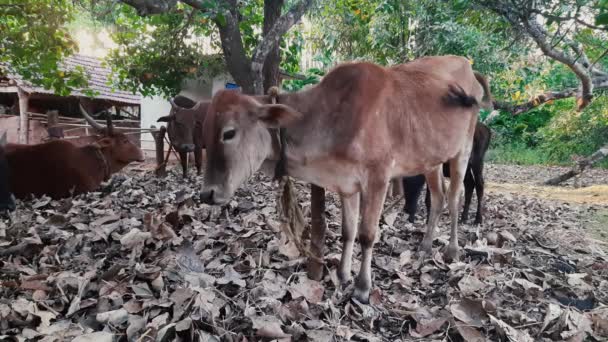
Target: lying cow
[473,179]
[361,126]
[6,198]
[60,169]
[185,129]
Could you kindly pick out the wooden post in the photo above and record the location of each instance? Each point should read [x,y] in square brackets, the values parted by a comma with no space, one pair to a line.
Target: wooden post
[55,132]
[23,118]
[317,231]
[159,140]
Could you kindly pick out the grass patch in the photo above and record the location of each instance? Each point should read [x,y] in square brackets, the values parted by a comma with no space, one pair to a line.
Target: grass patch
[520,154]
[517,154]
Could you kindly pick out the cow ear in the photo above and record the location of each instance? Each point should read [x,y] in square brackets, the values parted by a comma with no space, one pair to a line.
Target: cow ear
[104,142]
[165,118]
[277,115]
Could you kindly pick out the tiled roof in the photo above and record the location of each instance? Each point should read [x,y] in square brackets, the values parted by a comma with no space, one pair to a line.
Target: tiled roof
[98,81]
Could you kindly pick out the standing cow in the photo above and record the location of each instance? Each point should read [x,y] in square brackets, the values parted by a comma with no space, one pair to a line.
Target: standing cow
[473,179]
[60,169]
[185,130]
[361,126]
[7,201]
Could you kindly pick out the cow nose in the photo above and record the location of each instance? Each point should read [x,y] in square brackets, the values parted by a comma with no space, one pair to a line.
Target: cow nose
[207,196]
[187,147]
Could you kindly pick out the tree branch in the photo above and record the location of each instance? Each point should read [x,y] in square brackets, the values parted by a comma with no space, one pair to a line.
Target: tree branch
[568,18]
[538,34]
[520,108]
[282,25]
[580,166]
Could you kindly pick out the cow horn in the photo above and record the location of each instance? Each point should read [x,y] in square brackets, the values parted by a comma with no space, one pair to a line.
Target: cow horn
[90,120]
[109,123]
[172,103]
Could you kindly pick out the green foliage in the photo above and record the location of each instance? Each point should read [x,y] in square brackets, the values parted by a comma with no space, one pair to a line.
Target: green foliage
[573,133]
[35,40]
[156,54]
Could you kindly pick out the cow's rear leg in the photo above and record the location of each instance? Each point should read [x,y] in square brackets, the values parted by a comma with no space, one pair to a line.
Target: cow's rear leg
[435,187]
[477,170]
[350,218]
[372,200]
[469,185]
[458,167]
[412,187]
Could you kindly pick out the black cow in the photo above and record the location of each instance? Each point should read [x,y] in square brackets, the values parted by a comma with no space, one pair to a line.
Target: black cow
[412,186]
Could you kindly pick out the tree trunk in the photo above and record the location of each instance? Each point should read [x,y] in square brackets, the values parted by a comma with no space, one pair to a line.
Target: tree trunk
[272,12]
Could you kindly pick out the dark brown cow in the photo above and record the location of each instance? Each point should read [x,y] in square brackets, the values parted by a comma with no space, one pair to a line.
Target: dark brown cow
[7,201]
[473,179]
[360,127]
[60,169]
[185,129]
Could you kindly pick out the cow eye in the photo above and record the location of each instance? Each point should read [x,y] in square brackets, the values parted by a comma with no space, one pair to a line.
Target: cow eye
[228,134]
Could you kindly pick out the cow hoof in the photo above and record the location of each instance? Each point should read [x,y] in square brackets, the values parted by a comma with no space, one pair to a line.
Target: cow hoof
[451,254]
[478,222]
[362,295]
[426,247]
[411,219]
[344,278]
[315,270]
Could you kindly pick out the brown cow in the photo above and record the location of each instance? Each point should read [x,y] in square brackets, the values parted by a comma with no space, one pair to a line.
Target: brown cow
[185,129]
[60,169]
[360,127]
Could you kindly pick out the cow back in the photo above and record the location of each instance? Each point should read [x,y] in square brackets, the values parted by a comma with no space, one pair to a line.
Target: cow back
[55,168]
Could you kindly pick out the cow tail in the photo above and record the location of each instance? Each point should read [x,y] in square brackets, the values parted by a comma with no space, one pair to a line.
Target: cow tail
[458,97]
[488,103]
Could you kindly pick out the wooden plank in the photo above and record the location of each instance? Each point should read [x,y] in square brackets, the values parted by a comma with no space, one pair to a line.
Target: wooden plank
[10,89]
[23,117]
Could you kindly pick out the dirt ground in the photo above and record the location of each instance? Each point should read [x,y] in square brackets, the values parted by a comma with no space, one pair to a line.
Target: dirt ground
[144,260]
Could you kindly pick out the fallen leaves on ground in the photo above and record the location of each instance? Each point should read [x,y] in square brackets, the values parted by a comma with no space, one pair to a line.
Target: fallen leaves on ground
[143,260]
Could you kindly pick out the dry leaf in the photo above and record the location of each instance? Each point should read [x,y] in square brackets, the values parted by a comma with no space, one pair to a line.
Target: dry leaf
[310,289]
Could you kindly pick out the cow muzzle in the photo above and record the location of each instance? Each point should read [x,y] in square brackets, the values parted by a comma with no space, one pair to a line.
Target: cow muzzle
[187,147]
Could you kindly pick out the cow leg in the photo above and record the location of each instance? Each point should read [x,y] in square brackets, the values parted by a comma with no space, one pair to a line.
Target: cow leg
[458,167]
[350,218]
[183,158]
[372,201]
[435,188]
[469,185]
[198,160]
[479,189]
[317,231]
[412,187]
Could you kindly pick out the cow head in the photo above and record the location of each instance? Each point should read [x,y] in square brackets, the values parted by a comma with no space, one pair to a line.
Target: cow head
[181,123]
[7,201]
[237,141]
[118,149]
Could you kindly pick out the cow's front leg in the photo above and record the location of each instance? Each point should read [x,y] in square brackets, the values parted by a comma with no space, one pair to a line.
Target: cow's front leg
[317,231]
[350,217]
[198,160]
[372,200]
[183,158]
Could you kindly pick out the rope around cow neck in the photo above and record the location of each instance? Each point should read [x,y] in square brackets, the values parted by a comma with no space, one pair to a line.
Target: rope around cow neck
[290,215]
